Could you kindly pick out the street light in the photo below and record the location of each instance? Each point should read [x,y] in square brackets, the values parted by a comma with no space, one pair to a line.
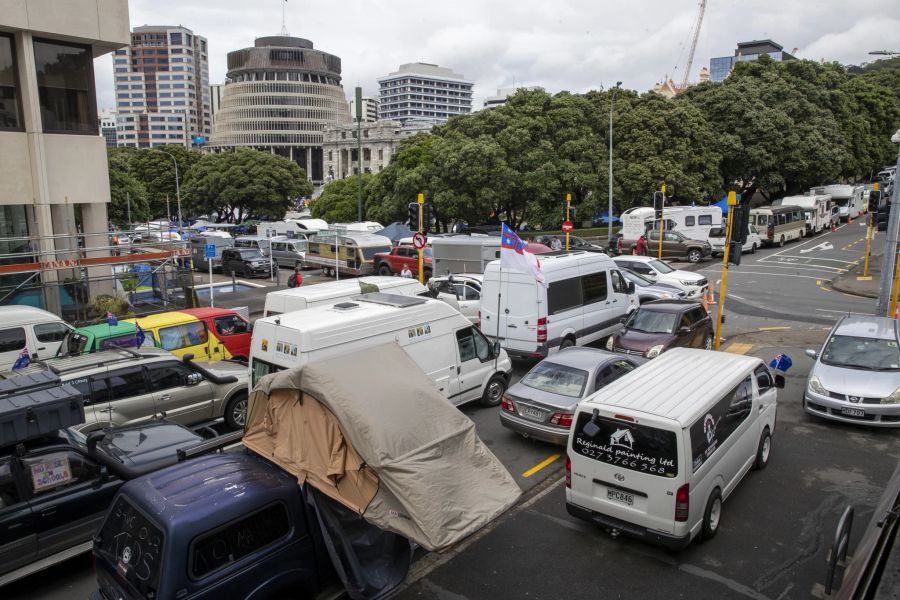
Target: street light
[887,296]
[177,189]
[609,215]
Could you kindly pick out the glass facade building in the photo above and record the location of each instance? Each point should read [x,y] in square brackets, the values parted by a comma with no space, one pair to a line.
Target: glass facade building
[721,66]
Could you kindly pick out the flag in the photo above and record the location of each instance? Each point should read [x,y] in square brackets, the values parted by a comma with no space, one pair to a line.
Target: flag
[513,255]
[111,319]
[141,336]
[23,360]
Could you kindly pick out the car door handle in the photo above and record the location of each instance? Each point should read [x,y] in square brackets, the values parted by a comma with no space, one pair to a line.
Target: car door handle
[48,511]
[458,370]
[165,397]
[513,326]
[42,348]
[761,407]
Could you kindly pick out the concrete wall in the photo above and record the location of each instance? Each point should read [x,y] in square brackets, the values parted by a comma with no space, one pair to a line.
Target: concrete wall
[101,23]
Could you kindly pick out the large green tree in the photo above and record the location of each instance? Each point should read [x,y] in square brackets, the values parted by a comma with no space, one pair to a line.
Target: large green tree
[125,189]
[156,171]
[338,202]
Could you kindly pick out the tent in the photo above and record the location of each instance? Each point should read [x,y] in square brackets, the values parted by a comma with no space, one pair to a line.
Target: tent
[603,218]
[396,231]
[723,204]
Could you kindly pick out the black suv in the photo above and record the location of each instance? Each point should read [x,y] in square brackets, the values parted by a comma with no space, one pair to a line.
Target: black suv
[247,262]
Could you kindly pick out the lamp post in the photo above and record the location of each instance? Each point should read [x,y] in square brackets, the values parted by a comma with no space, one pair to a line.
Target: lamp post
[609,214]
[887,298]
[177,188]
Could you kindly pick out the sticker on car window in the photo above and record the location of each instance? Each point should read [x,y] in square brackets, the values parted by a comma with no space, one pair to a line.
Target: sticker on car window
[50,473]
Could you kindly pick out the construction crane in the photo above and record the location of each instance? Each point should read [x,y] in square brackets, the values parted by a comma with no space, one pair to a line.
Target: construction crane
[695,37]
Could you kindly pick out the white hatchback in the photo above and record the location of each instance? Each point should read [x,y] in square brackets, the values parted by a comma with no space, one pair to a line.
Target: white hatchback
[693,284]
[462,292]
[717,240]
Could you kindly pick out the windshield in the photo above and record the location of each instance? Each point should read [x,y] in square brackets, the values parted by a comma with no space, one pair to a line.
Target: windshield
[73,344]
[661,266]
[626,445]
[861,353]
[556,379]
[251,254]
[132,544]
[636,278]
[648,321]
[717,232]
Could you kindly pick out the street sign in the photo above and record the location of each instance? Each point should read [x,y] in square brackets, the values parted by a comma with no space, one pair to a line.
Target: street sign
[327,233]
[567,226]
[419,240]
[210,251]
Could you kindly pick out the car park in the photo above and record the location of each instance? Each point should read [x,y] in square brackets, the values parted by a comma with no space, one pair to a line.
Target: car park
[655,454]
[248,262]
[33,331]
[694,284]
[648,290]
[856,375]
[541,404]
[207,333]
[660,325]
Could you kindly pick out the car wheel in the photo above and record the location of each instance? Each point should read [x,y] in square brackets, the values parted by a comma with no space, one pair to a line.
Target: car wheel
[247,272]
[708,342]
[694,255]
[712,516]
[384,270]
[493,391]
[764,450]
[781,242]
[567,343]
[236,412]
[753,248]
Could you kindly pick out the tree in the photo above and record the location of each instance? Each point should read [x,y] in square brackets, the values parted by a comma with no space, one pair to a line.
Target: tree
[338,202]
[232,186]
[156,172]
[125,188]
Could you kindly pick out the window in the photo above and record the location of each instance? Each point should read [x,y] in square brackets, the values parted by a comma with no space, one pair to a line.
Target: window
[627,445]
[764,379]
[712,430]
[689,221]
[65,77]
[9,84]
[175,39]
[563,295]
[231,325]
[9,495]
[618,282]
[12,339]
[167,375]
[55,470]
[127,383]
[698,315]
[182,336]
[261,368]
[472,345]
[50,332]
[127,527]
[594,287]
[671,237]
[704,220]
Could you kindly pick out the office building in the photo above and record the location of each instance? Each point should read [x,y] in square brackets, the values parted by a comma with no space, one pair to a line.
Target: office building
[215,99]
[108,127]
[504,93]
[53,171]
[369,109]
[380,141]
[423,92]
[720,67]
[279,96]
[162,88]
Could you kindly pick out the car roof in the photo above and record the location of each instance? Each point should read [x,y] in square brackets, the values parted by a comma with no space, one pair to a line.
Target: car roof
[206,312]
[21,314]
[668,385]
[882,328]
[582,357]
[63,365]
[634,258]
[171,317]
[104,329]
[672,306]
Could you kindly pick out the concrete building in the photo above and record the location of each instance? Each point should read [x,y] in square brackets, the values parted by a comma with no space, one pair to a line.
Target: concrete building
[423,92]
[504,93]
[670,89]
[369,109]
[720,67]
[380,141]
[53,171]
[279,96]
[162,88]
[215,99]
[108,127]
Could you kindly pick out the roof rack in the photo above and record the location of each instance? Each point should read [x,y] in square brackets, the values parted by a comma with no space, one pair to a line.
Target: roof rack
[94,359]
[395,300]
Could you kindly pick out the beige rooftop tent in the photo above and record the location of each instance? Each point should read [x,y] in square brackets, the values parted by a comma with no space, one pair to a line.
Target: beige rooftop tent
[370,430]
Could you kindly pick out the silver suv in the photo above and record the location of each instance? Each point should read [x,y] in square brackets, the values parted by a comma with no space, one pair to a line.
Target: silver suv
[126,386]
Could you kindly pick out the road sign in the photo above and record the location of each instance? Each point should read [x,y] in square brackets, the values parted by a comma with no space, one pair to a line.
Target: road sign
[327,233]
[210,251]
[419,240]
[567,226]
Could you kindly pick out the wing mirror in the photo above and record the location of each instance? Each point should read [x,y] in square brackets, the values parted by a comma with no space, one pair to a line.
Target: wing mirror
[683,330]
[496,348]
[812,353]
[630,287]
[779,381]
[187,358]
[193,378]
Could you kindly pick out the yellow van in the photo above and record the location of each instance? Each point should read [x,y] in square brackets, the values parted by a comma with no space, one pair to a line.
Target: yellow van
[207,333]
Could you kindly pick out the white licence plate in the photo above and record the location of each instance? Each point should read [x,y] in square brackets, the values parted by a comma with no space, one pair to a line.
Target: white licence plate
[532,413]
[617,496]
[853,412]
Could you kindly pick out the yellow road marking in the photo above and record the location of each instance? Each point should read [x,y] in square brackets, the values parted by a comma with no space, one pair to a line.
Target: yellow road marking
[821,287]
[774,328]
[547,461]
[861,278]
[739,348]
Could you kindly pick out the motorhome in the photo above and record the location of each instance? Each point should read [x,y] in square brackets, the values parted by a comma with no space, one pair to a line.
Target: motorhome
[353,255]
[694,222]
[457,357]
[816,208]
[779,224]
[848,198]
[636,221]
[333,292]
[463,253]
[292,227]
[361,227]
[221,240]
[584,300]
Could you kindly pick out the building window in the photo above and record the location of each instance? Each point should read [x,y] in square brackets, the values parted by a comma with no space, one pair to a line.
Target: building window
[9,97]
[65,77]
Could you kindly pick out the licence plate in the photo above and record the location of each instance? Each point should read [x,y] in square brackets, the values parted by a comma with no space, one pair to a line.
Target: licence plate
[531,413]
[853,412]
[617,496]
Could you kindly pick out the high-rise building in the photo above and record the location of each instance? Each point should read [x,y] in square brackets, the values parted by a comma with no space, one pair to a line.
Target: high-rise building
[721,66]
[162,88]
[108,127]
[369,109]
[279,96]
[423,92]
[215,99]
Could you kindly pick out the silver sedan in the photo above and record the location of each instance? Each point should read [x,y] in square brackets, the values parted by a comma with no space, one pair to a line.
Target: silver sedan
[542,403]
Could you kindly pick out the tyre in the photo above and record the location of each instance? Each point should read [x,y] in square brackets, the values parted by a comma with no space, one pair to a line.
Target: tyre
[694,255]
[708,342]
[236,412]
[753,248]
[566,343]
[247,272]
[763,451]
[385,271]
[712,516]
[493,391]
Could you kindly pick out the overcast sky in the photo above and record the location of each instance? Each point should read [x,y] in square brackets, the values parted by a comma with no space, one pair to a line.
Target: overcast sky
[574,45]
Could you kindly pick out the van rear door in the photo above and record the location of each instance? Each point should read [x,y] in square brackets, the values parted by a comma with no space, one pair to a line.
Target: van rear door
[519,310]
[627,467]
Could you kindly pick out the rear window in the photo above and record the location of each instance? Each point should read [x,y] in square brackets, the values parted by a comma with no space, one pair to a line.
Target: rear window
[133,545]
[627,445]
[556,379]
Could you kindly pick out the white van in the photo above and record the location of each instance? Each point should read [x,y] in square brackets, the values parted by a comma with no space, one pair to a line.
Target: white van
[454,353]
[655,453]
[332,292]
[463,253]
[27,328]
[694,222]
[584,301]
[636,220]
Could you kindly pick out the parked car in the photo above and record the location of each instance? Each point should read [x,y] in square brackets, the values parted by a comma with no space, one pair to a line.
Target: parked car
[102,336]
[207,333]
[717,240]
[36,332]
[289,252]
[542,403]
[856,375]
[463,292]
[676,245]
[663,324]
[659,271]
[247,262]
[392,263]
[648,290]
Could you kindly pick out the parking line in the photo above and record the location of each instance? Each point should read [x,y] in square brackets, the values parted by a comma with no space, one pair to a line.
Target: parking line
[739,348]
[774,328]
[544,463]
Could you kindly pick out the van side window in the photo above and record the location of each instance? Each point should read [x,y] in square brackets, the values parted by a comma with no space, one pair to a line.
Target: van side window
[618,282]
[127,383]
[472,345]
[182,336]
[712,430]
[763,379]
[704,220]
[12,339]
[594,287]
[689,221]
[50,332]
[563,295]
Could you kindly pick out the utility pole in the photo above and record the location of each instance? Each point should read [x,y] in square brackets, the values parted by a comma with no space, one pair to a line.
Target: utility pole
[732,206]
[359,162]
[889,262]
[609,214]
[568,217]
[873,219]
[662,217]
[420,200]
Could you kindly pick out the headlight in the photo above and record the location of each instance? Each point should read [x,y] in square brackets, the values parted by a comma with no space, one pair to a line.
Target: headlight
[610,344]
[655,351]
[816,386]
[893,398]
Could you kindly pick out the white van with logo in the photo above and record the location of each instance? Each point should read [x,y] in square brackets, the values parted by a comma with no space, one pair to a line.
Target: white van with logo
[28,328]
[463,364]
[656,453]
[584,301]
[692,221]
[332,292]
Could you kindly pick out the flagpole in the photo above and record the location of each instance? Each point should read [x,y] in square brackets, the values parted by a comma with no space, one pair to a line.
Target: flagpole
[499,294]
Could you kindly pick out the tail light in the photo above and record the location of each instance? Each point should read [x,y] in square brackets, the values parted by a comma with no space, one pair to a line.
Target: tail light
[542,330]
[568,472]
[508,404]
[682,503]
[562,419]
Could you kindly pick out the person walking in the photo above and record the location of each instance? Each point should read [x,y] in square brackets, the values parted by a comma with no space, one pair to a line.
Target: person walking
[641,247]
[296,279]
[406,272]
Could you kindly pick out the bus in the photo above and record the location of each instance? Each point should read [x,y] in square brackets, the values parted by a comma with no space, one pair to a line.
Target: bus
[779,224]
[352,255]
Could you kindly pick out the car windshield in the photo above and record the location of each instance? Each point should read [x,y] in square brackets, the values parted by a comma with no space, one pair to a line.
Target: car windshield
[636,278]
[556,379]
[251,254]
[427,253]
[648,321]
[716,232]
[861,353]
[661,266]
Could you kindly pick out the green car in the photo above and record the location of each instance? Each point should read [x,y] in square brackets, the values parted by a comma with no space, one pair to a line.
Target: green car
[92,338]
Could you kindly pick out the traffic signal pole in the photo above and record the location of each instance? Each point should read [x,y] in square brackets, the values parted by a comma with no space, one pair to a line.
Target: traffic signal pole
[662,218]
[568,217]
[421,201]
[870,233]
[732,206]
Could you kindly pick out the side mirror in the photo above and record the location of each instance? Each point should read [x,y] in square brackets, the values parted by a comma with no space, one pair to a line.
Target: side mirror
[779,381]
[193,378]
[622,319]
[187,358]
[630,287]
[812,353]
[496,348]
[684,330]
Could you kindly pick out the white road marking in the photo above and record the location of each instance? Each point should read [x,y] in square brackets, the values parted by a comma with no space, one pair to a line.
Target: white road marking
[822,268]
[844,312]
[736,297]
[792,259]
[822,246]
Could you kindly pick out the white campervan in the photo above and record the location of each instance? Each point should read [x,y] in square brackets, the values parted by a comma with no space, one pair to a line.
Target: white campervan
[636,220]
[332,292]
[816,207]
[584,301]
[848,198]
[694,222]
[454,353]
[655,453]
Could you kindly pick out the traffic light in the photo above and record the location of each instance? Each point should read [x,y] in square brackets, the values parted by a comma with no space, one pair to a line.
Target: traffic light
[874,201]
[414,216]
[425,226]
[734,253]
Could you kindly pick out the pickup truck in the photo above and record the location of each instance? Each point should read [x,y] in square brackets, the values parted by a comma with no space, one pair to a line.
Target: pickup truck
[391,263]
[675,245]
